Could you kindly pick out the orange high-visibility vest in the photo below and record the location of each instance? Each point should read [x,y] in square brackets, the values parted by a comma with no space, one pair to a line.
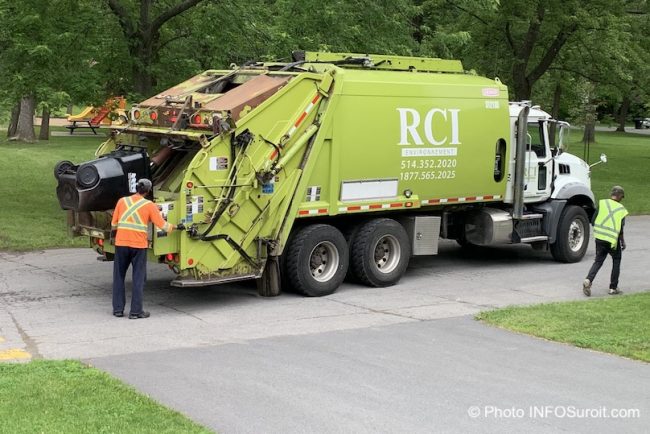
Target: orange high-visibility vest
[131,218]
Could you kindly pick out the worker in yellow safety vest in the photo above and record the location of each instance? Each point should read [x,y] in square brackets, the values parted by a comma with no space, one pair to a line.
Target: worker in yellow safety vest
[608,232]
[130,221]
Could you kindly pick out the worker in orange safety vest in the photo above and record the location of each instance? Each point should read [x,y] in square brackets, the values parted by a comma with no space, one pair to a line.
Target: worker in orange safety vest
[131,218]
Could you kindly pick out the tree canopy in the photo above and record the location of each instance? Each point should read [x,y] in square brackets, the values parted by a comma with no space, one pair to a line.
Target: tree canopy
[83,51]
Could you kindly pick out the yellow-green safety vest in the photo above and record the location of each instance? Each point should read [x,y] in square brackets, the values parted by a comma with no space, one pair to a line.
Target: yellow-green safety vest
[607,225]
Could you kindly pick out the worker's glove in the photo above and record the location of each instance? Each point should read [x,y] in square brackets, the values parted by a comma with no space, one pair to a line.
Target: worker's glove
[180,227]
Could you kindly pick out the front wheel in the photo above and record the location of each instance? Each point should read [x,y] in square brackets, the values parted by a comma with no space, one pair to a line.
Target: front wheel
[317,260]
[572,235]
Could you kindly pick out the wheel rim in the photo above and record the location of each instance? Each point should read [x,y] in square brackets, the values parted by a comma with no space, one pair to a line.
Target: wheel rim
[324,261]
[576,235]
[387,254]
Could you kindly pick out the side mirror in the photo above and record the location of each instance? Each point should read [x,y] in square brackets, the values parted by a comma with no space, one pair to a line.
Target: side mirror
[603,159]
[563,136]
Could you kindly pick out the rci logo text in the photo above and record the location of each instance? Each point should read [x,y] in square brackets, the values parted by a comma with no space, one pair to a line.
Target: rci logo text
[439,125]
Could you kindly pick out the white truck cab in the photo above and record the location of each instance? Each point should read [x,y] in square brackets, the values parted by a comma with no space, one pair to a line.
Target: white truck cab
[556,185]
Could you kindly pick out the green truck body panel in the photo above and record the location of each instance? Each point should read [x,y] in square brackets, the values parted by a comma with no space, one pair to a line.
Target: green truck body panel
[258,149]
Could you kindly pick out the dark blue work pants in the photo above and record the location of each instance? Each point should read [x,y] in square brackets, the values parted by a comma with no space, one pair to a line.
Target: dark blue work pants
[125,256]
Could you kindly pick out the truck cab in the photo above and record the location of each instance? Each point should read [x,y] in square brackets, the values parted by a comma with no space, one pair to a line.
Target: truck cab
[548,167]
[556,185]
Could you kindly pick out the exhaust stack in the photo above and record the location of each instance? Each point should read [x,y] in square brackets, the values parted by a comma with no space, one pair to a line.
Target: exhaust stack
[520,161]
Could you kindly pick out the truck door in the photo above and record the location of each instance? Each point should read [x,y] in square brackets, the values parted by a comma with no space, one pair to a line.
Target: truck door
[538,163]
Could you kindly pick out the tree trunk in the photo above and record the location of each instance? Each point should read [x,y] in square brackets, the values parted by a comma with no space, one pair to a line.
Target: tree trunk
[144,38]
[555,110]
[69,109]
[589,136]
[44,133]
[622,113]
[521,86]
[25,129]
[13,123]
[142,78]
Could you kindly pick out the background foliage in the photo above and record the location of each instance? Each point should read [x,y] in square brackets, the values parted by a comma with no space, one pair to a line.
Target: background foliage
[81,51]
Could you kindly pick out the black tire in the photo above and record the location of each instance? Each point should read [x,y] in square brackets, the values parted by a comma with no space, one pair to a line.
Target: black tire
[316,260]
[572,235]
[380,243]
[61,167]
[349,232]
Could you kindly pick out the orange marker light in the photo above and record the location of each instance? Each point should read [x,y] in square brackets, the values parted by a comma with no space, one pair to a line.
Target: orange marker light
[170,257]
[153,116]
[136,114]
[197,119]
[190,261]
[190,184]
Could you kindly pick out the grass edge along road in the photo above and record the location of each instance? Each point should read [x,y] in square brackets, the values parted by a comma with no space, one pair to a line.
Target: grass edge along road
[31,217]
[618,324]
[69,397]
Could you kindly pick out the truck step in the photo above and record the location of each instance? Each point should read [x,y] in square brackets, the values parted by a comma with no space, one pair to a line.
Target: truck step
[190,283]
[532,216]
[534,239]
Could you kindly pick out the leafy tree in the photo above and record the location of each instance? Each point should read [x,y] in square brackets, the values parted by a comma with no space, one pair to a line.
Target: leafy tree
[519,40]
[141,23]
[43,59]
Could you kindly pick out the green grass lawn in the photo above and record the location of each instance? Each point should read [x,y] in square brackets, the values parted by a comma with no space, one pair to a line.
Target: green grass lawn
[628,164]
[68,397]
[32,219]
[618,325]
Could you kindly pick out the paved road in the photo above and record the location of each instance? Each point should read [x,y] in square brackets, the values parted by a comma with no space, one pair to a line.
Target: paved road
[417,377]
[632,130]
[57,304]
[404,358]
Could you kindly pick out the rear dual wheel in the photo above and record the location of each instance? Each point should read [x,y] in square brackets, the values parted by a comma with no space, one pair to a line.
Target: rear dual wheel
[317,256]
[316,260]
[380,252]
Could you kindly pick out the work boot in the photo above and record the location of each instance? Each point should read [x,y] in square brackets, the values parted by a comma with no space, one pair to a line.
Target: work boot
[615,291]
[586,287]
[139,315]
[118,314]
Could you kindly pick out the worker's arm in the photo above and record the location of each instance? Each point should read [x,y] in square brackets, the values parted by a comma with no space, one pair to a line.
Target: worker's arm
[620,235]
[593,216]
[158,220]
[117,213]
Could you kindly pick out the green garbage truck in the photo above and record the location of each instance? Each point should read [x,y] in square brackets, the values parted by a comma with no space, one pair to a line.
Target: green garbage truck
[334,165]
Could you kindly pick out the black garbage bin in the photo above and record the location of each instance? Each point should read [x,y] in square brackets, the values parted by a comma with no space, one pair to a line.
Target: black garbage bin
[638,123]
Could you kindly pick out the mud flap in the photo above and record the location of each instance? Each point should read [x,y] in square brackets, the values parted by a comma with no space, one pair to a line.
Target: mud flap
[106,257]
[269,284]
